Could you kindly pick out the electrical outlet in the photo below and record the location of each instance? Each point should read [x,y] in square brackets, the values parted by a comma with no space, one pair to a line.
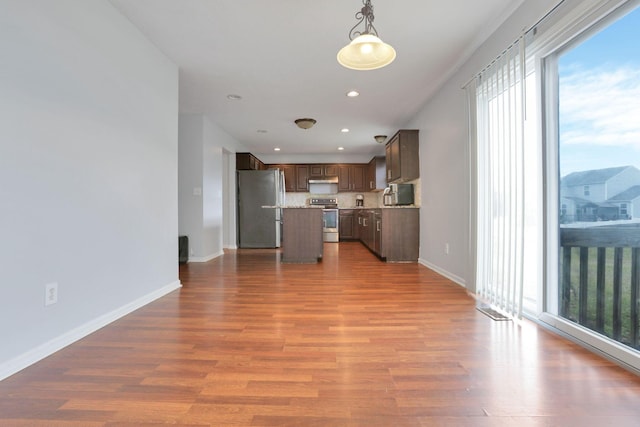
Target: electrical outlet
[50,293]
[446,248]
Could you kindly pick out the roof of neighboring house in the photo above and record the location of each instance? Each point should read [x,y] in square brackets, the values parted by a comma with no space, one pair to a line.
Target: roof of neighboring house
[629,194]
[594,176]
[577,200]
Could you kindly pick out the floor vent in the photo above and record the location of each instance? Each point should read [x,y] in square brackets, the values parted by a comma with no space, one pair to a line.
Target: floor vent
[495,315]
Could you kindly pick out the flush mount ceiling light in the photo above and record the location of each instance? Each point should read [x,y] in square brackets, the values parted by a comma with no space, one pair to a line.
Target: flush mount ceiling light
[305,123]
[366,51]
[380,138]
[353,93]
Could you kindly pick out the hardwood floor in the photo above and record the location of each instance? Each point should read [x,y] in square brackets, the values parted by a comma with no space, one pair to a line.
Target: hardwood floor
[350,341]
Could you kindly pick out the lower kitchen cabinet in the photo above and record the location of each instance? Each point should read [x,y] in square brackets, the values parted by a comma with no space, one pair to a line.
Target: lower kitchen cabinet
[302,240]
[391,233]
[400,234]
[348,224]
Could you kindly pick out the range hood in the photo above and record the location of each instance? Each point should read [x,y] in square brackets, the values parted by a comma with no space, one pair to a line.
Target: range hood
[328,180]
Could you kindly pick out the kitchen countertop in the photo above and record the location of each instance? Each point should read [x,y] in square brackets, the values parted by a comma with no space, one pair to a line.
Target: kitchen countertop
[293,207]
[342,207]
[382,207]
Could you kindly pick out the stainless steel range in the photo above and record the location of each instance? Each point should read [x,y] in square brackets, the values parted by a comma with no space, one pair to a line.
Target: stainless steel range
[330,218]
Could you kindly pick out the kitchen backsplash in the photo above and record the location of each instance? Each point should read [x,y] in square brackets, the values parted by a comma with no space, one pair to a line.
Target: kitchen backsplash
[348,200]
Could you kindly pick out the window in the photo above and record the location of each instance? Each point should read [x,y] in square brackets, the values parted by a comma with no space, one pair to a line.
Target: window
[508,184]
[591,85]
[580,148]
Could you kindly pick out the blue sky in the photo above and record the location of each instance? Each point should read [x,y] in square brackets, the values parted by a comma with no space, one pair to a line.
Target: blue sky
[600,99]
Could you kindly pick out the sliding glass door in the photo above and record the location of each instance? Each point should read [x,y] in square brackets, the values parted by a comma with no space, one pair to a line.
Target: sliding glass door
[596,82]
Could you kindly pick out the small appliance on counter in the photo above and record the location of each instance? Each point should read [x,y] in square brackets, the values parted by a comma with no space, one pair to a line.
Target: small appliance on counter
[398,195]
[359,200]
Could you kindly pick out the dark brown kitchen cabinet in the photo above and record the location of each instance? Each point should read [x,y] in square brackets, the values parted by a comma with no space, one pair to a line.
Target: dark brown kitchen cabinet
[393,234]
[247,161]
[330,171]
[347,224]
[402,159]
[289,176]
[376,223]
[352,177]
[302,235]
[364,227]
[302,178]
[323,171]
[400,234]
[376,174]
[370,229]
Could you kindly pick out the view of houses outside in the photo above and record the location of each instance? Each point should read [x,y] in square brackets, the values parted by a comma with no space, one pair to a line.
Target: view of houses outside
[600,195]
[599,156]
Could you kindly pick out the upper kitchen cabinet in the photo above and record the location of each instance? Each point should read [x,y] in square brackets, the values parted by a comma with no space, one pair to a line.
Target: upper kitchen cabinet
[352,177]
[402,158]
[323,171]
[376,174]
[302,178]
[290,180]
[247,161]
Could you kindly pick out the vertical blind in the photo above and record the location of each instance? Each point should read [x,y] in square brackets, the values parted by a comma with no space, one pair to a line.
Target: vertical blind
[499,108]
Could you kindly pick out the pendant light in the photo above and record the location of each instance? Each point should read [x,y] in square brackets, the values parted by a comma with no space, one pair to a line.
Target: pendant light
[366,51]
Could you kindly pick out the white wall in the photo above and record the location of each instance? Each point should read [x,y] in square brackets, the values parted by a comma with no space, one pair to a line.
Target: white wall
[88,173]
[444,157]
[204,160]
[190,161]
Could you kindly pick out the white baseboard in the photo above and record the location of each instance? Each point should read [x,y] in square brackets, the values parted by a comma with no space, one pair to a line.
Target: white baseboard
[457,279]
[206,258]
[40,352]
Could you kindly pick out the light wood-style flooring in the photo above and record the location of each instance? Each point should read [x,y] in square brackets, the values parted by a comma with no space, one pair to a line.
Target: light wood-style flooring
[350,341]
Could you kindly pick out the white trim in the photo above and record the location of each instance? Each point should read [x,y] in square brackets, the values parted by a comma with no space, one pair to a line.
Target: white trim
[48,348]
[206,258]
[457,279]
[592,341]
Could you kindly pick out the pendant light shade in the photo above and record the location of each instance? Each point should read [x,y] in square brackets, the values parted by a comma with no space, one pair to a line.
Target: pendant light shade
[365,51]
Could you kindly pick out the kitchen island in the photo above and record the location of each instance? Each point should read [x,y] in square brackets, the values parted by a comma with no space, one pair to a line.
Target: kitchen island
[302,239]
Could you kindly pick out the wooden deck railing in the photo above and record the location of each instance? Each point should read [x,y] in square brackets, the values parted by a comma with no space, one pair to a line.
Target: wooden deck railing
[601,292]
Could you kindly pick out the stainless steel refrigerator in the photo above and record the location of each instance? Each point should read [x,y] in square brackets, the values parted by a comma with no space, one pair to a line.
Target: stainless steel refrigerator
[259,227]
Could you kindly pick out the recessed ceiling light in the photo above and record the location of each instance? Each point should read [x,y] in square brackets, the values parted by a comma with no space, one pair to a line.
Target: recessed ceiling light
[276,149]
[344,130]
[234,97]
[340,148]
[353,93]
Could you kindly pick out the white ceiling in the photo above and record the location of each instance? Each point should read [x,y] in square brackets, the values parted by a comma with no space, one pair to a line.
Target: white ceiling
[280,56]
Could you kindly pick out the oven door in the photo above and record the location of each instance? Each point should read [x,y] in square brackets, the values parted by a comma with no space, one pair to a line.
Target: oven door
[330,225]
